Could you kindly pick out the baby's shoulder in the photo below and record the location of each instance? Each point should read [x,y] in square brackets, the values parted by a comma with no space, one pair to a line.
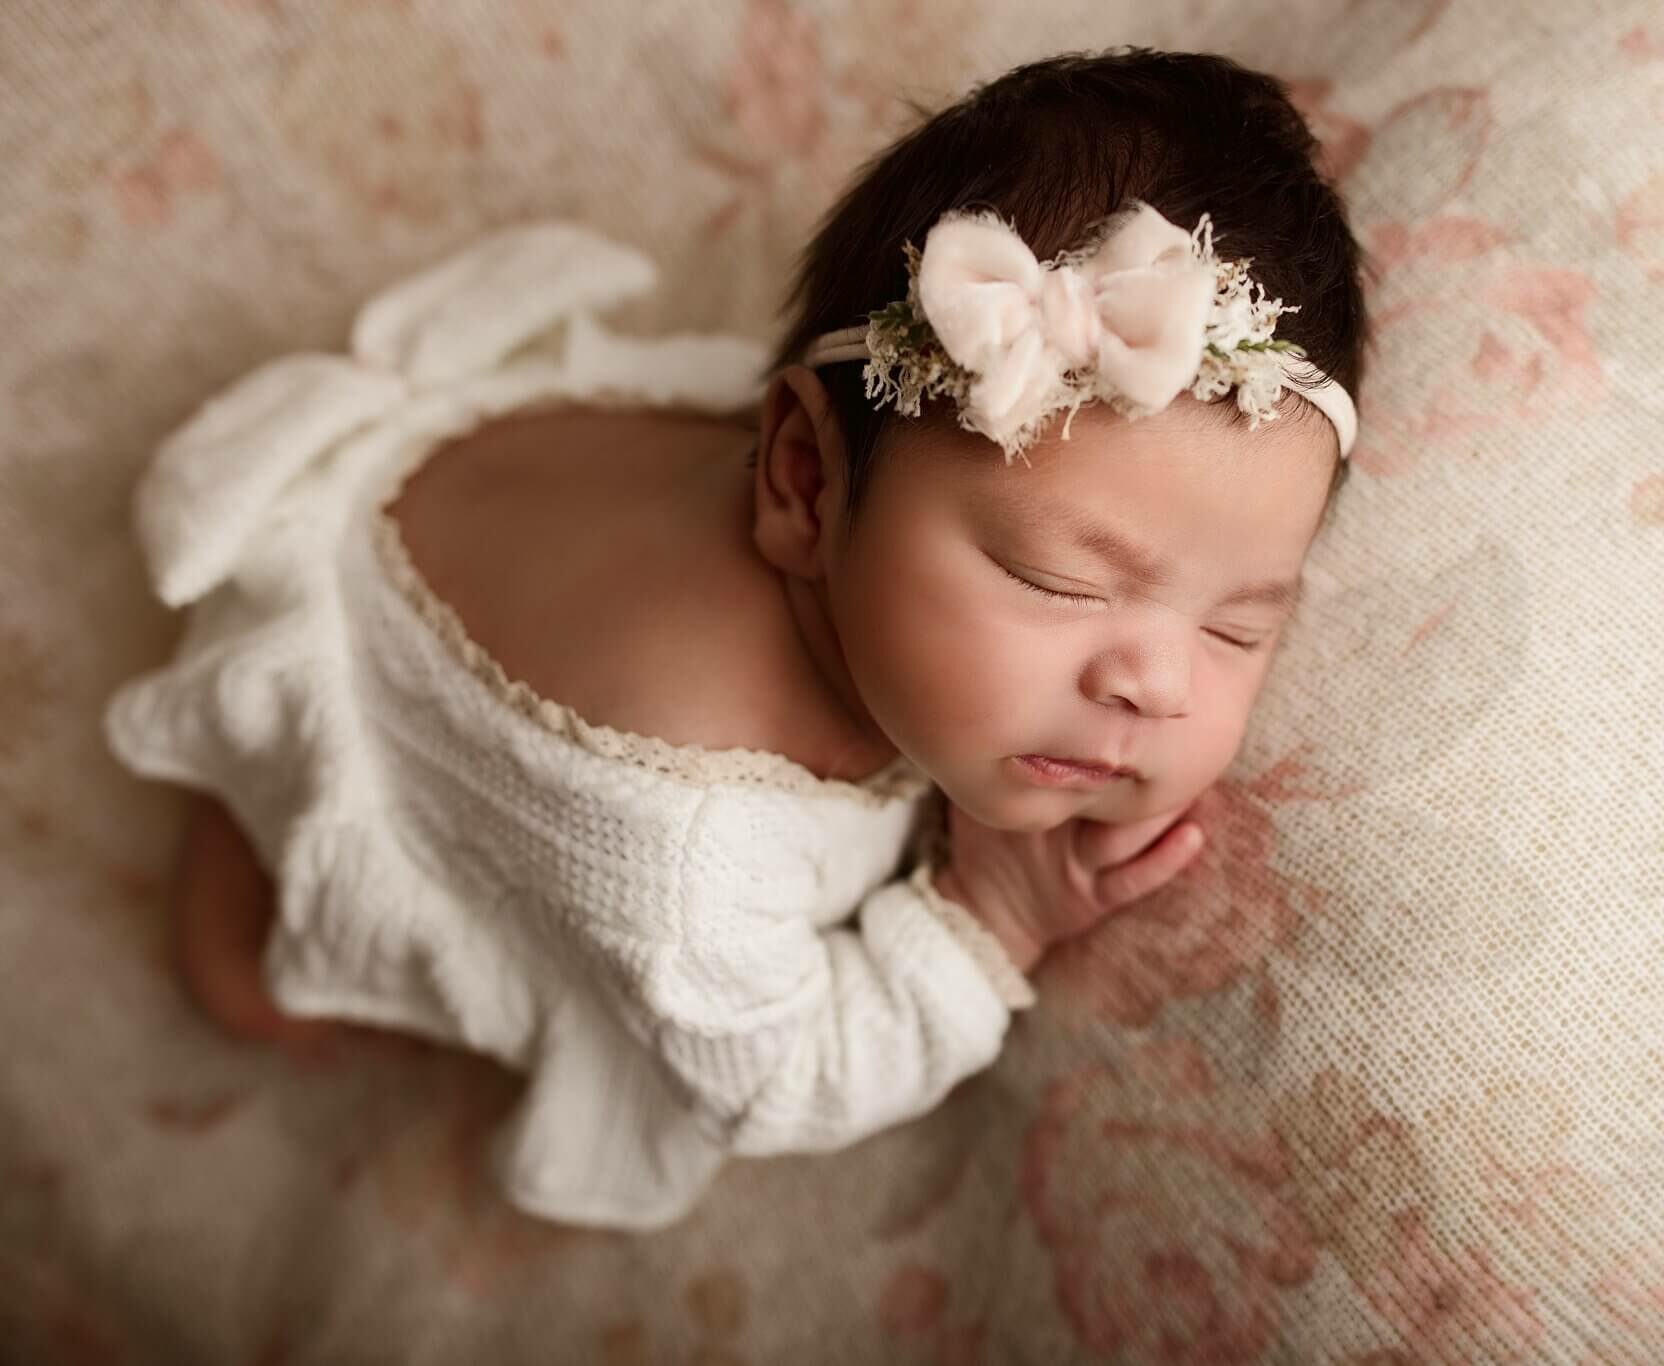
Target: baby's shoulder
[604,558]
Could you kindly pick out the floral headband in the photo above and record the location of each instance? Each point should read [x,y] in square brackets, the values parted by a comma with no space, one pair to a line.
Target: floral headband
[1141,315]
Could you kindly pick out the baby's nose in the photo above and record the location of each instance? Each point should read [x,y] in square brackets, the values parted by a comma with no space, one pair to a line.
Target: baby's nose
[1148,674]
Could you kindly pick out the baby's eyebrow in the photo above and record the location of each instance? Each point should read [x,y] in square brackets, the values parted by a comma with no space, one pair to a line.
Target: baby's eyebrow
[1284,596]
[1122,553]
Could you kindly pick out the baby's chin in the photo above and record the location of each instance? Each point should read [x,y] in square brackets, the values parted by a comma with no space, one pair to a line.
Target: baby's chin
[1005,803]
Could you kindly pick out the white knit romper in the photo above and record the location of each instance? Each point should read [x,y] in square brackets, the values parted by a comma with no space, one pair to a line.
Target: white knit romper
[692,953]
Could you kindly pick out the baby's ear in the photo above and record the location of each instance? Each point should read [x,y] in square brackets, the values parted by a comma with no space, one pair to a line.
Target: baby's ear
[799,458]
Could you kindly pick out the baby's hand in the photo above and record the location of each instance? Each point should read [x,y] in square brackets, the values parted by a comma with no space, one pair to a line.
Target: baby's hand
[1034,889]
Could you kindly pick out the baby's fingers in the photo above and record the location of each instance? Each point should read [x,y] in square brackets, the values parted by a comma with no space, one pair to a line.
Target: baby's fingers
[1155,867]
[1099,843]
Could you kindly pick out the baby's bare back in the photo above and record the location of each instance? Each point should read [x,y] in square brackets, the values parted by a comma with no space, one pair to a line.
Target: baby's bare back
[605,558]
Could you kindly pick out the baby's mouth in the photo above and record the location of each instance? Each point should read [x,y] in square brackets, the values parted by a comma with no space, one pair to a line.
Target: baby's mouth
[1054,771]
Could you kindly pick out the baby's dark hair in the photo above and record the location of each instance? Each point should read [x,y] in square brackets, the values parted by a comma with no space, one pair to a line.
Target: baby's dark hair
[1054,147]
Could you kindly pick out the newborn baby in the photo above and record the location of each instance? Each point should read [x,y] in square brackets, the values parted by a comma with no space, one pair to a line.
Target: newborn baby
[722,739]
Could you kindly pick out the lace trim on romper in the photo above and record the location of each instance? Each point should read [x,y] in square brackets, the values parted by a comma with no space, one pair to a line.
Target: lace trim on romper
[898,780]
[691,763]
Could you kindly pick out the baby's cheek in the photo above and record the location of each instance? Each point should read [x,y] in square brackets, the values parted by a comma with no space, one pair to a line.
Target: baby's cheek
[947,660]
[948,703]
[1215,744]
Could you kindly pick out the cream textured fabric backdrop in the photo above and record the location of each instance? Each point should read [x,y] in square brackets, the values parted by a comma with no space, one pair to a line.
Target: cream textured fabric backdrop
[1379,1082]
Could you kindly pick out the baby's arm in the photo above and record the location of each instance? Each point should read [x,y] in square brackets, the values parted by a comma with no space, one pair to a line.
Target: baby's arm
[785,1037]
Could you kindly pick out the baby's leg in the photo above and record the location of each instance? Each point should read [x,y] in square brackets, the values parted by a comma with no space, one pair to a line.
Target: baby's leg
[224,908]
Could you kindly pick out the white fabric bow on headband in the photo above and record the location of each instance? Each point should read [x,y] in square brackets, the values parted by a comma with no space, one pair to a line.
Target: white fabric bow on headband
[1142,315]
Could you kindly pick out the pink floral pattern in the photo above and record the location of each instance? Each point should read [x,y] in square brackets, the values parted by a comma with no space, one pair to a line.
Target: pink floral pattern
[1373,1083]
[1640,227]
[1193,1269]
[799,118]
[397,151]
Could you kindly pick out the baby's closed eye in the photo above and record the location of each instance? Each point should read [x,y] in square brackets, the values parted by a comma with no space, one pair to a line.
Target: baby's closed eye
[1245,640]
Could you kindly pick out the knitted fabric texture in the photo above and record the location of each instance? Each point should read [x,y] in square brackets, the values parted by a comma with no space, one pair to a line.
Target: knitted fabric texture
[694,954]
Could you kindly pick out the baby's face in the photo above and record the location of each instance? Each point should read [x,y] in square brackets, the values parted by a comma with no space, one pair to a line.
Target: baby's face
[972,672]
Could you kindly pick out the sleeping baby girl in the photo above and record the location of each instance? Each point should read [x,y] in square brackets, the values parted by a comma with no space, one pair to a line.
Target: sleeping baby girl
[721,738]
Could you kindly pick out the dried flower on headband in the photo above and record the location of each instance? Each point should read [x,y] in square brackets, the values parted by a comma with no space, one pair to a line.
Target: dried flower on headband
[1140,315]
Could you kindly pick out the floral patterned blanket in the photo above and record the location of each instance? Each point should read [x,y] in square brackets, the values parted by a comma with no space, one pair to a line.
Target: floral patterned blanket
[1379,1081]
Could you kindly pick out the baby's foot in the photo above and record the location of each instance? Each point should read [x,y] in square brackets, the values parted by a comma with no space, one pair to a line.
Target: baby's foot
[224,908]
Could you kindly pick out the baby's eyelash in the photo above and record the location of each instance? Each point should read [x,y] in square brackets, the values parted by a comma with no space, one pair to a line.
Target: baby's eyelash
[1048,592]
[1246,646]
